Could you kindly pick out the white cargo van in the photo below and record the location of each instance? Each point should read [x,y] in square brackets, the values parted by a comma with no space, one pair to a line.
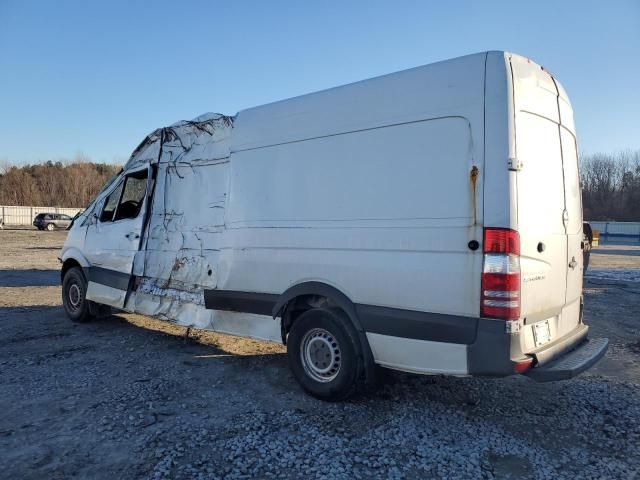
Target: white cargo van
[427,221]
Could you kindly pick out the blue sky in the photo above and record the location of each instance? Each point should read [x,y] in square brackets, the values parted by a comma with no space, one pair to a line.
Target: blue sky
[96,77]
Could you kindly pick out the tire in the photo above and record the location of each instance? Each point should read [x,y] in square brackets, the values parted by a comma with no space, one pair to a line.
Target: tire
[74,290]
[325,355]
[50,227]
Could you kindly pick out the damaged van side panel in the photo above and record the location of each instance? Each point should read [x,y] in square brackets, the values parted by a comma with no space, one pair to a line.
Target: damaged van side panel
[181,248]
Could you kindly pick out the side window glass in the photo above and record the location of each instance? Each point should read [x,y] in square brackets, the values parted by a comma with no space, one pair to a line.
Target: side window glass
[133,196]
[110,204]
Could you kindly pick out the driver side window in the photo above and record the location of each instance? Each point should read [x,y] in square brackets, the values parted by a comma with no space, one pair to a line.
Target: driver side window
[127,198]
[111,203]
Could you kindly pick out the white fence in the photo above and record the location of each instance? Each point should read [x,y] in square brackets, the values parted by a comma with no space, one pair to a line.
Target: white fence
[629,230]
[18,216]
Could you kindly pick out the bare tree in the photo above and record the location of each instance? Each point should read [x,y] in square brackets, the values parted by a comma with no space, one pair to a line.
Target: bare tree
[55,184]
[611,186]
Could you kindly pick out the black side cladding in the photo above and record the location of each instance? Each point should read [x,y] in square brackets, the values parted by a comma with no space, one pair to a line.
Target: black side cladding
[395,322]
[110,278]
[435,327]
[247,302]
[491,353]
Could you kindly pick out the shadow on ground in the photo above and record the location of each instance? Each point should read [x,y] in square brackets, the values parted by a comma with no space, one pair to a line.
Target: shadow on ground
[29,278]
[113,335]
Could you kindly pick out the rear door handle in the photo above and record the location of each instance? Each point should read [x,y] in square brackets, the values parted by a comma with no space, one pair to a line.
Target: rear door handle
[573,262]
[132,235]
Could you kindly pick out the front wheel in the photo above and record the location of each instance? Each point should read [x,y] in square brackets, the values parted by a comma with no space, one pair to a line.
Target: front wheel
[74,290]
[325,354]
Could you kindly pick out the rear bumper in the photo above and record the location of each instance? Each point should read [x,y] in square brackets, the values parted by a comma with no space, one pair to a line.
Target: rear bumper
[560,346]
[577,359]
[496,353]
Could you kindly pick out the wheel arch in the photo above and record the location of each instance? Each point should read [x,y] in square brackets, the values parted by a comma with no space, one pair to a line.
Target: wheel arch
[73,258]
[317,289]
[296,299]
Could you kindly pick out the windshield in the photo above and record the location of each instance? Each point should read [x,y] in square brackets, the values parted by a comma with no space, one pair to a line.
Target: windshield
[91,204]
[106,185]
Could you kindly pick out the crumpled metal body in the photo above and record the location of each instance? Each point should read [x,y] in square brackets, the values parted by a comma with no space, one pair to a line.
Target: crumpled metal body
[182,243]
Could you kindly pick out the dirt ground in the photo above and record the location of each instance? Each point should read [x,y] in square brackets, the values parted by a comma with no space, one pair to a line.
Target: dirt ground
[131,397]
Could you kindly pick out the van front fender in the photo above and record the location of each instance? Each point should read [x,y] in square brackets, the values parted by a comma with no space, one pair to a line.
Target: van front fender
[74,253]
[72,257]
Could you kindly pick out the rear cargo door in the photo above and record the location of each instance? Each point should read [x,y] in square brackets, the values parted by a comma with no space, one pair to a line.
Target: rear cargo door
[573,216]
[543,213]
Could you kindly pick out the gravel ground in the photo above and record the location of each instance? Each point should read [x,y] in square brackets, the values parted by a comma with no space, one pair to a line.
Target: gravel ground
[130,397]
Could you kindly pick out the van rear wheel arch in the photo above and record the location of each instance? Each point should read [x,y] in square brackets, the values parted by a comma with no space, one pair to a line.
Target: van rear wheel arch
[306,296]
[298,295]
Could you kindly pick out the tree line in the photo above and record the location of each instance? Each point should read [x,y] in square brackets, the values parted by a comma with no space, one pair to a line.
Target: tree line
[54,184]
[610,184]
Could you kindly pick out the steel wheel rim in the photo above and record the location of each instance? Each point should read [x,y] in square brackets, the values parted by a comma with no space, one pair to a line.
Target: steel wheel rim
[320,354]
[75,297]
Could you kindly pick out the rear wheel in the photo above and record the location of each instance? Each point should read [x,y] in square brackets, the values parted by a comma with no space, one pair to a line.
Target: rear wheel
[50,227]
[74,289]
[325,355]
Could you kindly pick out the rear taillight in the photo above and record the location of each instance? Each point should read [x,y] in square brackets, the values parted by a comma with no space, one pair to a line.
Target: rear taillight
[500,296]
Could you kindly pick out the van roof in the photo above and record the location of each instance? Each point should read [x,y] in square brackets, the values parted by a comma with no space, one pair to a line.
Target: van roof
[408,95]
[437,64]
[453,87]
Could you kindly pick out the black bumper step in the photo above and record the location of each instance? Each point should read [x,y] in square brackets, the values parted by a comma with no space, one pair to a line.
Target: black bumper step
[572,363]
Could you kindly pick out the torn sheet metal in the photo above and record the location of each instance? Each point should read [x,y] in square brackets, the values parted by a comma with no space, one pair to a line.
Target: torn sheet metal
[181,243]
[206,137]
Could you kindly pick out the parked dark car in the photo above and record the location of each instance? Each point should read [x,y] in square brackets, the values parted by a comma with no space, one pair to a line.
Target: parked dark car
[587,241]
[51,221]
